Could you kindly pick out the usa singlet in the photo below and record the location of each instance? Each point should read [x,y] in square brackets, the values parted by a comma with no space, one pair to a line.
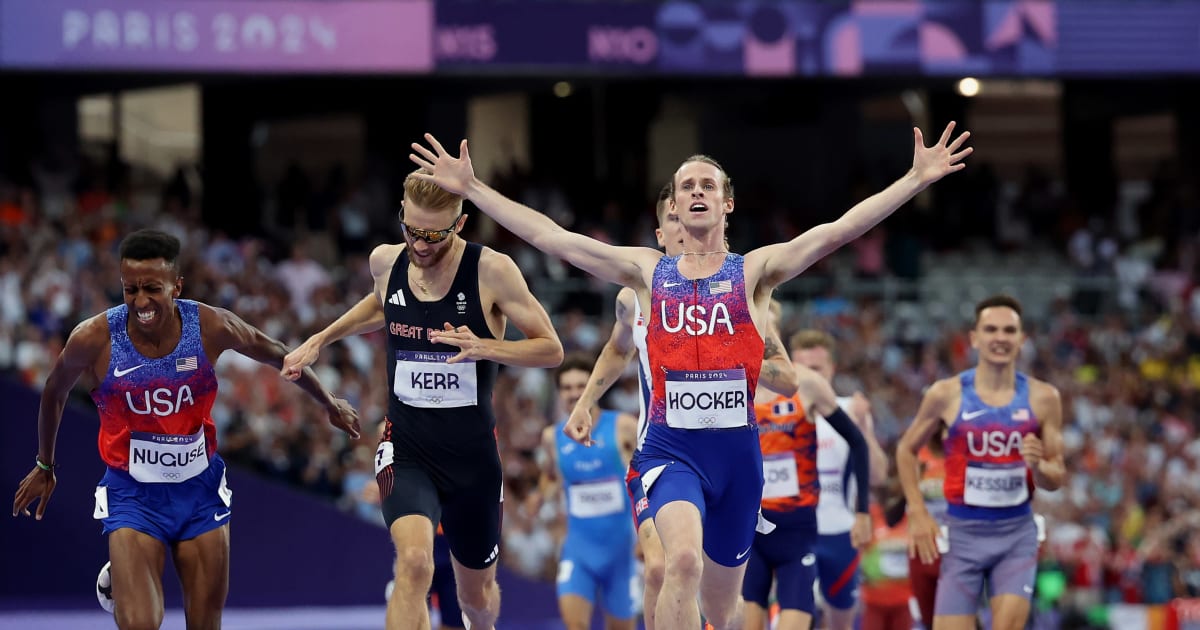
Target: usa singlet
[155,420]
[633,476]
[986,477]
[701,445]
[705,348]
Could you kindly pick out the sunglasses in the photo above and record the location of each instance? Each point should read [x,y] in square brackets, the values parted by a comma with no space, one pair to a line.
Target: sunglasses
[429,236]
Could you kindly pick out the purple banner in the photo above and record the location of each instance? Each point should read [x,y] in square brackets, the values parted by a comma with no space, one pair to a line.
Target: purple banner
[598,36]
[218,35]
[846,38]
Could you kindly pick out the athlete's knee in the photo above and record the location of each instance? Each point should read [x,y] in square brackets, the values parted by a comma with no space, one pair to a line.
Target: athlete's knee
[684,564]
[478,598]
[724,613]
[414,566]
[481,610]
[207,619]
[133,619]
[655,572]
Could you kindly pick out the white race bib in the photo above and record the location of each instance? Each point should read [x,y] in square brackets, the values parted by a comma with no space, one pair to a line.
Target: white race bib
[706,399]
[780,478]
[998,486]
[893,563]
[596,498]
[424,379]
[385,455]
[158,458]
[832,483]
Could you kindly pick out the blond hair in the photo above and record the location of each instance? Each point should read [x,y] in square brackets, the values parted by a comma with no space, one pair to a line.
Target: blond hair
[428,195]
[809,339]
[704,159]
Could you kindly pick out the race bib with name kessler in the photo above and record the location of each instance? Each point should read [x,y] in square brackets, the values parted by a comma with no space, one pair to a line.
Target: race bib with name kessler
[706,399]
[596,498]
[995,485]
[780,477]
[158,458]
[424,379]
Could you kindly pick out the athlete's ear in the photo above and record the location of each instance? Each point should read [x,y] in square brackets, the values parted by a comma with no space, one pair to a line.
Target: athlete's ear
[729,205]
[178,287]
[462,220]
[658,236]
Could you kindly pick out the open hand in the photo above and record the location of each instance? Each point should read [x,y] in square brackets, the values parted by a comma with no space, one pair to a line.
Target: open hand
[38,484]
[933,163]
[452,174]
[923,532]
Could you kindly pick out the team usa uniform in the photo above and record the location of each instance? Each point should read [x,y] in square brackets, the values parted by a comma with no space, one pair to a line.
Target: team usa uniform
[988,489]
[837,559]
[598,552]
[157,436]
[701,444]
[438,455]
[633,477]
[789,501]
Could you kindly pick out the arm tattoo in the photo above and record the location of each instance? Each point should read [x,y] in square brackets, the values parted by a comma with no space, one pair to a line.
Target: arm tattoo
[768,372]
[771,349]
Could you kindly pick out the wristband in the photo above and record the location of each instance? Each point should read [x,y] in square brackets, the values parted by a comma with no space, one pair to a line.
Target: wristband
[37,459]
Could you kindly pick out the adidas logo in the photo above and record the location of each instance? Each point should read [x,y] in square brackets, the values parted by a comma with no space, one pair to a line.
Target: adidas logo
[492,556]
[397,298]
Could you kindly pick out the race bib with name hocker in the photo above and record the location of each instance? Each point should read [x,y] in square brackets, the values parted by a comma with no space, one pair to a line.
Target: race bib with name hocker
[707,399]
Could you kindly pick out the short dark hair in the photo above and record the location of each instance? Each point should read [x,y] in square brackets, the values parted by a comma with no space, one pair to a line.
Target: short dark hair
[661,206]
[1006,301]
[574,361]
[150,244]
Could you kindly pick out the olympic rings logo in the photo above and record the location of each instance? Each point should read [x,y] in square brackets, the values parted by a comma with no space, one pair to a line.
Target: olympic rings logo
[437,400]
[170,475]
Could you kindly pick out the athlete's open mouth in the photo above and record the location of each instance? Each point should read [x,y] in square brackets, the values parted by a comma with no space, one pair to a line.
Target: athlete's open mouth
[698,207]
[145,317]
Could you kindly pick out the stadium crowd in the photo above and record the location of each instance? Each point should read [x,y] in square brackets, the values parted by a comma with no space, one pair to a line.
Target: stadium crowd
[1127,360]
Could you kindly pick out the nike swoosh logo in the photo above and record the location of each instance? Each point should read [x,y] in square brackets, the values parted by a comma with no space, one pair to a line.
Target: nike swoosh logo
[743,554]
[221,517]
[668,285]
[119,372]
[974,414]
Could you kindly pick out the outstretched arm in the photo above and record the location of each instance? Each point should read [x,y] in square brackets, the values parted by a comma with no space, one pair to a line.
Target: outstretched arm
[783,261]
[363,317]
[622,265]
[83,347]
[223,330]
